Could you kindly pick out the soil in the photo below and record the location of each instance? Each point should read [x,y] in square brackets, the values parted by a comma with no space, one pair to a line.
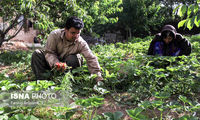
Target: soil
[19,42]
[110,105]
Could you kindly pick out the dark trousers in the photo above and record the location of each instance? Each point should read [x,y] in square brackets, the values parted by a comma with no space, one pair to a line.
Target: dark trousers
[41,68]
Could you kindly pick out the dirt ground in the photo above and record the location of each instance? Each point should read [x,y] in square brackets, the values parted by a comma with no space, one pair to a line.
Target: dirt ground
[19,42]
[110,105]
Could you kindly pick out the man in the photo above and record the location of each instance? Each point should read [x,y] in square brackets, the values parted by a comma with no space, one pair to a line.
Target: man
[169,43]
[62,49]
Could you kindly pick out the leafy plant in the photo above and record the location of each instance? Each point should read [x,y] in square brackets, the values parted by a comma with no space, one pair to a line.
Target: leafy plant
[22,117]
[162,105]
[113,116]
[130,76]
[89,106]
[191,11]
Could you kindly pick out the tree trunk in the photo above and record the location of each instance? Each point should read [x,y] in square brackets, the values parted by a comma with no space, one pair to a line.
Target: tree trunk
[130,34]
[1,39]
[3,33]
[25,25]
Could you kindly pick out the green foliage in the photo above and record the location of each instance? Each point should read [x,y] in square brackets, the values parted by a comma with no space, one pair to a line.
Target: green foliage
[90,102]
[11,57]
[172,81]
[14,114]
[163,105]
[48,15]
[191,13]
[22,117]
[113,116]
[92,12]
[69,114]
[89,106]
[138,16]
[136,114]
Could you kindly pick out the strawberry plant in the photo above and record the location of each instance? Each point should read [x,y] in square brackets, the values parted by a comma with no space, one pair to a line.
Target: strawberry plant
[130,76]
[161,108]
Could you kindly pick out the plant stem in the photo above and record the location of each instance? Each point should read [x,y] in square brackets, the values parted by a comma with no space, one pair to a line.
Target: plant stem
[161,114]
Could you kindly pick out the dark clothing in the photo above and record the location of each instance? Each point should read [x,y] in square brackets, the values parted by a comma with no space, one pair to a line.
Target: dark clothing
[42,69]
[177,47]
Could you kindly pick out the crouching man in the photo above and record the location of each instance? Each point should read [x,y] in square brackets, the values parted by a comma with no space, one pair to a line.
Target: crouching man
[63,48]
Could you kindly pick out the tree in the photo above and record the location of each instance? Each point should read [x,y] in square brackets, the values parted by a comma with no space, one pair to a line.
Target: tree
[14,14]
[49,14]
[189,14]
[92,12]
[139,15]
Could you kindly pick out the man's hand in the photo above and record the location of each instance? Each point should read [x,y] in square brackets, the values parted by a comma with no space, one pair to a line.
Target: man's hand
[60,66]
[100,86]
[99,77]
[99,81]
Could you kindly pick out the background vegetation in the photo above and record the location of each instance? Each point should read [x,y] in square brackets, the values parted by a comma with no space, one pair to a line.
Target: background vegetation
[133,18]
[149,87]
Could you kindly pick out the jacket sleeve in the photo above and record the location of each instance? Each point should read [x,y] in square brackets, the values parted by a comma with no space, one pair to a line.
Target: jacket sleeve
[152,44]
[50,50]
[184,45]
[151,48]
[91,59]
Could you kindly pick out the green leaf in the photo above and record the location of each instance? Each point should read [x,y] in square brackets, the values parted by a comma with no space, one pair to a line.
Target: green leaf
[162,95]
[174,105]
[92,101]
[182,10]
[31,117]
[196,8]
[161,109]
[145,104]
[185,100]
[3,117]
[181,23]
[196,21]
[118,115]
[1,110]
[19,116]
[29,5]
[113,116]
[70,113]
[176,9]
[190,10]
[136,114]
[12,118]
[187,117]
[157,103]
[196,107]
[190,23]
[108,115]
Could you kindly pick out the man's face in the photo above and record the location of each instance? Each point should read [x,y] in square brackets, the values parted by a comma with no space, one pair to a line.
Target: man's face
[168,39]
[72,34]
